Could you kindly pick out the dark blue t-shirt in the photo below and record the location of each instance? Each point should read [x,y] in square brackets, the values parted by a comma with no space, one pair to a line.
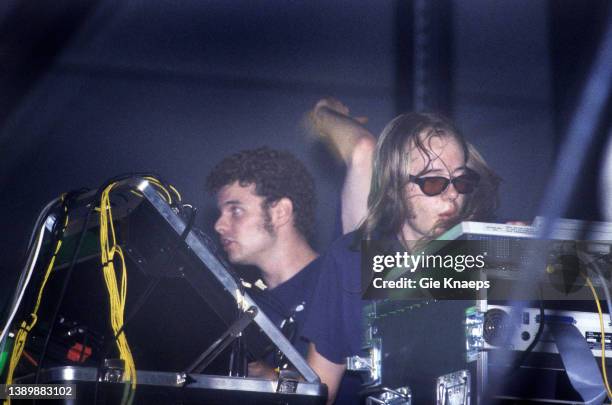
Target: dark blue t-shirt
[295,298]
[334,322]
[291,299]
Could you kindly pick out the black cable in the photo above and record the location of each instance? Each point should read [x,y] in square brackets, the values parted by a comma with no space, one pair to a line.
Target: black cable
[66,281]
[517,364]
[151,286]
[69,197]
[137,306]
[9,306]
[489,391]
[71,268]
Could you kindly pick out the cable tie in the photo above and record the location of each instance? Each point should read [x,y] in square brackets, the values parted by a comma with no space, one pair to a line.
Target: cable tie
[242,304]
[260,284]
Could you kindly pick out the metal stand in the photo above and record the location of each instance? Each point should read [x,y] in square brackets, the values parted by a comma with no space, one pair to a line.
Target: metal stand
[233,332]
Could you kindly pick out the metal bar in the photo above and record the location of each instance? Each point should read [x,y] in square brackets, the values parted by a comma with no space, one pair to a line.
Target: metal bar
[220,344]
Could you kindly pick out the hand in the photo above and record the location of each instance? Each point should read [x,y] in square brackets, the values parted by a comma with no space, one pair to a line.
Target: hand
[330,107]
[331,103]
[351,142]
[331,121]
[259,369]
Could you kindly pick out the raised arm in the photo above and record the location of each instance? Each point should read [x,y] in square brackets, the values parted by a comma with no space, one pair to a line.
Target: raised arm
[354,145]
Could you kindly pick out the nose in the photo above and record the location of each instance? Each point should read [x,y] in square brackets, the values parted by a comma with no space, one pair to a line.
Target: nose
[450,193]
[221,225]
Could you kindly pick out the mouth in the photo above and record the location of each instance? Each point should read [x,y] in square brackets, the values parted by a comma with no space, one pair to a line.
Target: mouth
[445,216]
[227,243]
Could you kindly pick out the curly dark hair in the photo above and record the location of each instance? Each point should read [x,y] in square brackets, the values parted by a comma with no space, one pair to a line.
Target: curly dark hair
[275,174]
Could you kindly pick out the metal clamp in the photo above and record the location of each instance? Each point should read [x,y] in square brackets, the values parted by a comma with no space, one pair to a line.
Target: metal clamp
[288,381]
[454,388]
[474,333]
[398,396]
[371,364]
[112,371]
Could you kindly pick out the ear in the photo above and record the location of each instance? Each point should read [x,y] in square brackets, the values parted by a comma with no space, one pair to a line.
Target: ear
[282,212]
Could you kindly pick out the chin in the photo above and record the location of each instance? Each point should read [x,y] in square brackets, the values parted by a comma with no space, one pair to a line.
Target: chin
[437,231]
[233,259]
[446,224]
[238,261]
[241,260]
[440,229]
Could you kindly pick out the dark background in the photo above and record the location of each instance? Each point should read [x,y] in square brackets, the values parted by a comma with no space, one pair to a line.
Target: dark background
[95,88]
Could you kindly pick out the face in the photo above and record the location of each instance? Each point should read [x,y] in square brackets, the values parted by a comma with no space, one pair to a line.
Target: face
[430,213]
[243,226]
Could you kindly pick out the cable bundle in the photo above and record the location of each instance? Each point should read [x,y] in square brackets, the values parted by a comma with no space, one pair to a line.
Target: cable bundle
[109,248]
[25,327]
[111,253]
[117,291]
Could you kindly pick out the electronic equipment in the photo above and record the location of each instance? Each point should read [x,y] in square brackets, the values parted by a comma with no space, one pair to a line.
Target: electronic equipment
[465,344]
[563,229]
[417,346]
[185,309]
[508,249]
[499,332]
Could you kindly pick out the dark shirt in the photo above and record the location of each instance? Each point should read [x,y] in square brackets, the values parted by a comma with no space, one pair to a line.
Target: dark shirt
[334,322]
[291,299]
[285,300]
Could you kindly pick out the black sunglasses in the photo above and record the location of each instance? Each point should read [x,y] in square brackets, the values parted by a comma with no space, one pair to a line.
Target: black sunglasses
[435,185]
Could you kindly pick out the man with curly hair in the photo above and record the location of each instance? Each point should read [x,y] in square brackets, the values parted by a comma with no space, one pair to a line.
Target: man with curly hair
[266,200]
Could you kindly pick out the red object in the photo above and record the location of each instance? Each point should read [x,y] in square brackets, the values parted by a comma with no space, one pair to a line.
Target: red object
[79,353]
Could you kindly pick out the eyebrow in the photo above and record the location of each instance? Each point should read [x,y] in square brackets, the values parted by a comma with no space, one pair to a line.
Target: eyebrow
[432,171]
[230,202]
[427,171]
[464,167]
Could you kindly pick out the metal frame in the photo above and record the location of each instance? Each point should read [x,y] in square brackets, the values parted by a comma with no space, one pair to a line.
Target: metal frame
[212,263]
[166,379]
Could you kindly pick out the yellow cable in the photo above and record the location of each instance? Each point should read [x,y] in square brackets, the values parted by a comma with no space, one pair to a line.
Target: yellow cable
[117,295]
[25,328]
[603,337]
[136,193]
[166,195]
[178,195]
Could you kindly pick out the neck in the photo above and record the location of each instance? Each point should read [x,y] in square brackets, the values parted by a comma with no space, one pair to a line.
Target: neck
[290,255]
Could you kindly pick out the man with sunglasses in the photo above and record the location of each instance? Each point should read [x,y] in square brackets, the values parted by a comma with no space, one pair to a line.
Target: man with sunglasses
[425,179]
[349,139]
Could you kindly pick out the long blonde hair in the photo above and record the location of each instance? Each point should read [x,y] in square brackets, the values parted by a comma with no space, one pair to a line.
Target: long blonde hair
[387,208]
